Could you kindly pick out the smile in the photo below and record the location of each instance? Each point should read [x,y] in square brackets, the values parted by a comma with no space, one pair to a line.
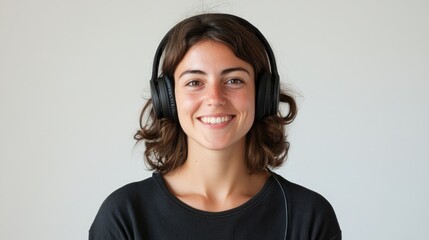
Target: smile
[215,120]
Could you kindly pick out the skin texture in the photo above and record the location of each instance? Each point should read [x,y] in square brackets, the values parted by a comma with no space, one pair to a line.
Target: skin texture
[215,96]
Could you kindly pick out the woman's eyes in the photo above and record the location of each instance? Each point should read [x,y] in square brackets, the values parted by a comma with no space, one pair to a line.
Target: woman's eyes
[231,81]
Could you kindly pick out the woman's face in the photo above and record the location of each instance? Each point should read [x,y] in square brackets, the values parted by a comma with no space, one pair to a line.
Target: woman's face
[215,96]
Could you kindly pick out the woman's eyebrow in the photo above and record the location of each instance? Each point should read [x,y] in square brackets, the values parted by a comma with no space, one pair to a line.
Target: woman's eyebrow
[192,72]
[234,69]
[224,72]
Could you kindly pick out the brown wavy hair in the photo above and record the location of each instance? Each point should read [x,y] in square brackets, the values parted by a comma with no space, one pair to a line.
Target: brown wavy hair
[165,141]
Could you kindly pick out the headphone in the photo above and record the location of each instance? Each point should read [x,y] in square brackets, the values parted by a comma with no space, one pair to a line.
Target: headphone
[267,89]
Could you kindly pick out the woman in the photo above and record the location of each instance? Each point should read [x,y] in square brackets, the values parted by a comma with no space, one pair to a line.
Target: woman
[212,131]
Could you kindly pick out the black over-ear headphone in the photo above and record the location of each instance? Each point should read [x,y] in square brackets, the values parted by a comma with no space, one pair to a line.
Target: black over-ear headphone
[267,90]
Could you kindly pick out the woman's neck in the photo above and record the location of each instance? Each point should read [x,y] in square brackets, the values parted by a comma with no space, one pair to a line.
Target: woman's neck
[215,179]
[216,165]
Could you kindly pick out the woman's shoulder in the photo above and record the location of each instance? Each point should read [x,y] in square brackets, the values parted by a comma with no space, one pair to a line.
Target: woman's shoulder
[299,194]
[116,215]
[308,206]
[132,192]
[133,195]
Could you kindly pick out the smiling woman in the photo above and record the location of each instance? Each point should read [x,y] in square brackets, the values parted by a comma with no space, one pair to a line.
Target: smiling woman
[212,135]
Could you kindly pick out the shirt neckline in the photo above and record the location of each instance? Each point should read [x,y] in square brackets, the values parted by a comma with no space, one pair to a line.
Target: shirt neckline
[249,204]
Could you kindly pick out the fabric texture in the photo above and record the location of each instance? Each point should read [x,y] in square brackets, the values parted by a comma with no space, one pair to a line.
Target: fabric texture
[147,210]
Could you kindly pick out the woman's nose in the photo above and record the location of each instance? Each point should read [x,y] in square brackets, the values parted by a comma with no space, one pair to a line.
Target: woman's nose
[215,95]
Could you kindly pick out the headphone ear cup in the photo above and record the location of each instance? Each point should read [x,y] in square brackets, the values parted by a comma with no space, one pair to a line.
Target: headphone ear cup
[264,98]
[155,98]
[163,100]
[171,99]
[275,91]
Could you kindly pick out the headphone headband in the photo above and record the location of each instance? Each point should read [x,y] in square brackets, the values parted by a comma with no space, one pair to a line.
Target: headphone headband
[158,54]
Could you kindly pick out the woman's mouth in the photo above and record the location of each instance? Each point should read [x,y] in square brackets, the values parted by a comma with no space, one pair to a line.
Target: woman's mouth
[216,120]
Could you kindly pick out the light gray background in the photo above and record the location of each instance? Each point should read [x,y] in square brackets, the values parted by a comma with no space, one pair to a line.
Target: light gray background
[74,75]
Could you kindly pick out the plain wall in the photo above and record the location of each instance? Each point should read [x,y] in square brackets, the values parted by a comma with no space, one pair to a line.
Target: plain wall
[74,76]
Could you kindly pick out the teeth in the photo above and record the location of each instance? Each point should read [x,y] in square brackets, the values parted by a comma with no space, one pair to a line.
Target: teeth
[215,120]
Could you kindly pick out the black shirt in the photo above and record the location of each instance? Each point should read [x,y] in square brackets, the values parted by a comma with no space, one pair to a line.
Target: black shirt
[147,210]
